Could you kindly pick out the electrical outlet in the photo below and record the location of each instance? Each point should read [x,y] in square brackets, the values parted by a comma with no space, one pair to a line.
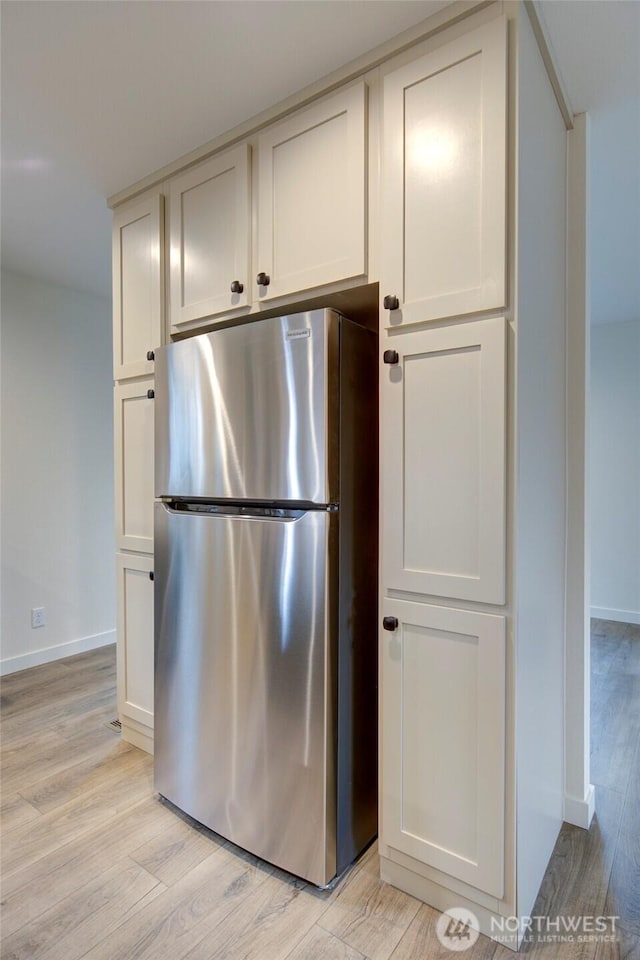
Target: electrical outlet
[38,617]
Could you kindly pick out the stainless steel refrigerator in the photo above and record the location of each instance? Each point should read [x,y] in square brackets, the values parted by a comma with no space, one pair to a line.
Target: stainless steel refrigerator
[266,587]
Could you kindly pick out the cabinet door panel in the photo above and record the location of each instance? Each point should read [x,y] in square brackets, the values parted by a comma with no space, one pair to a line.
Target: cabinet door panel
[137,286]
[135,638]
[445,179]
[443,755]
[311,217]
[444,462]
[210,237]
[134,466]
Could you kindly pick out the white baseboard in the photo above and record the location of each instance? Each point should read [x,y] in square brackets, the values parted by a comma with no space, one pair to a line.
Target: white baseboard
[48,654]
[620,616]
[580,812]
[137,734]
[490,922]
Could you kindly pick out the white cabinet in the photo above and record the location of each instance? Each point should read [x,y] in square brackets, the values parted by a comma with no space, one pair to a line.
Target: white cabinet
[402,179]
[443,471]
[138,310]
[311,206]
[133,423]
[444,179]
[443,740]
[135,641]
[443,462]
[137,285]
[209,237]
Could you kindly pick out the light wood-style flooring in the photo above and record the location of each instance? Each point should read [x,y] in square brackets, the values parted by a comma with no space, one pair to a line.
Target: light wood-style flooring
[95,866]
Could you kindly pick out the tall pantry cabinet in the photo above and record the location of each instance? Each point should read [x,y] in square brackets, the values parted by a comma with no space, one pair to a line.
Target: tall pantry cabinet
[436,171]
[138,325]
[443,414]
[470,744]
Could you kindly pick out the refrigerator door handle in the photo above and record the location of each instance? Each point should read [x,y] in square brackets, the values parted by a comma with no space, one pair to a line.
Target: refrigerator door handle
[234,511]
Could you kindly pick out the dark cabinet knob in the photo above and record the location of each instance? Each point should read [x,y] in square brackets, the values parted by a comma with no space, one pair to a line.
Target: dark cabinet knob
[237,287]
[150,574]
[390,623]
[391,303]
[151,394]
[390,356]
[263,280]
[150,355]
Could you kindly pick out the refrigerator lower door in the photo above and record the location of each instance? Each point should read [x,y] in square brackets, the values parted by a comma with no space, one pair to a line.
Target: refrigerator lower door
[244,696]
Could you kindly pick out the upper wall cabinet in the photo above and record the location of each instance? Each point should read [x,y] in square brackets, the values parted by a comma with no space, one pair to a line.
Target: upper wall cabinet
[444,180]
[311,207]
[209,235]
[443,461]
[137,286]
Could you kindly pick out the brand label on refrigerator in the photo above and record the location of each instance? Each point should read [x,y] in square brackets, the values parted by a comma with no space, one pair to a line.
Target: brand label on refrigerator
[298,334]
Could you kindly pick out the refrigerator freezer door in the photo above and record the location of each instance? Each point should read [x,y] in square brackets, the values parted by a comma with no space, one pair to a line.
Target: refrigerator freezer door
[250,412]
[244,729]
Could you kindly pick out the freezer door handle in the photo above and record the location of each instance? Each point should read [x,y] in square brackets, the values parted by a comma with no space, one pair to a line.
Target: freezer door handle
[233,511]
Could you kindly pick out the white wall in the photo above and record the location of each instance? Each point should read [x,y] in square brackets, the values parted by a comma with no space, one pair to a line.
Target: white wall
[615,471]
[57,530]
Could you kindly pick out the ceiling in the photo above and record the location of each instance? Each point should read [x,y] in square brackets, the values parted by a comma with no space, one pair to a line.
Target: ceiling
[96,95]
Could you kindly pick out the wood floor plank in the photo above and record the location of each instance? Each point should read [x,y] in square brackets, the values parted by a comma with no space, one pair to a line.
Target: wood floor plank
[60,682]
[66,717]
[15,811]
[269,923]
[36,678]
[627,660]
[421,940]
[603,655]
[111,763]
[369,915]
[75,924]
[369,860]
[548,947]
[623,893]
[577,877]
[39,886]
[575,883]
[625,946]
[28,751]
[101,715]
[81,815]
[319,944]
[608,630]
[504,953]
[181,916]
[616,726]
[171,854]
[25,765]
[106,654]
